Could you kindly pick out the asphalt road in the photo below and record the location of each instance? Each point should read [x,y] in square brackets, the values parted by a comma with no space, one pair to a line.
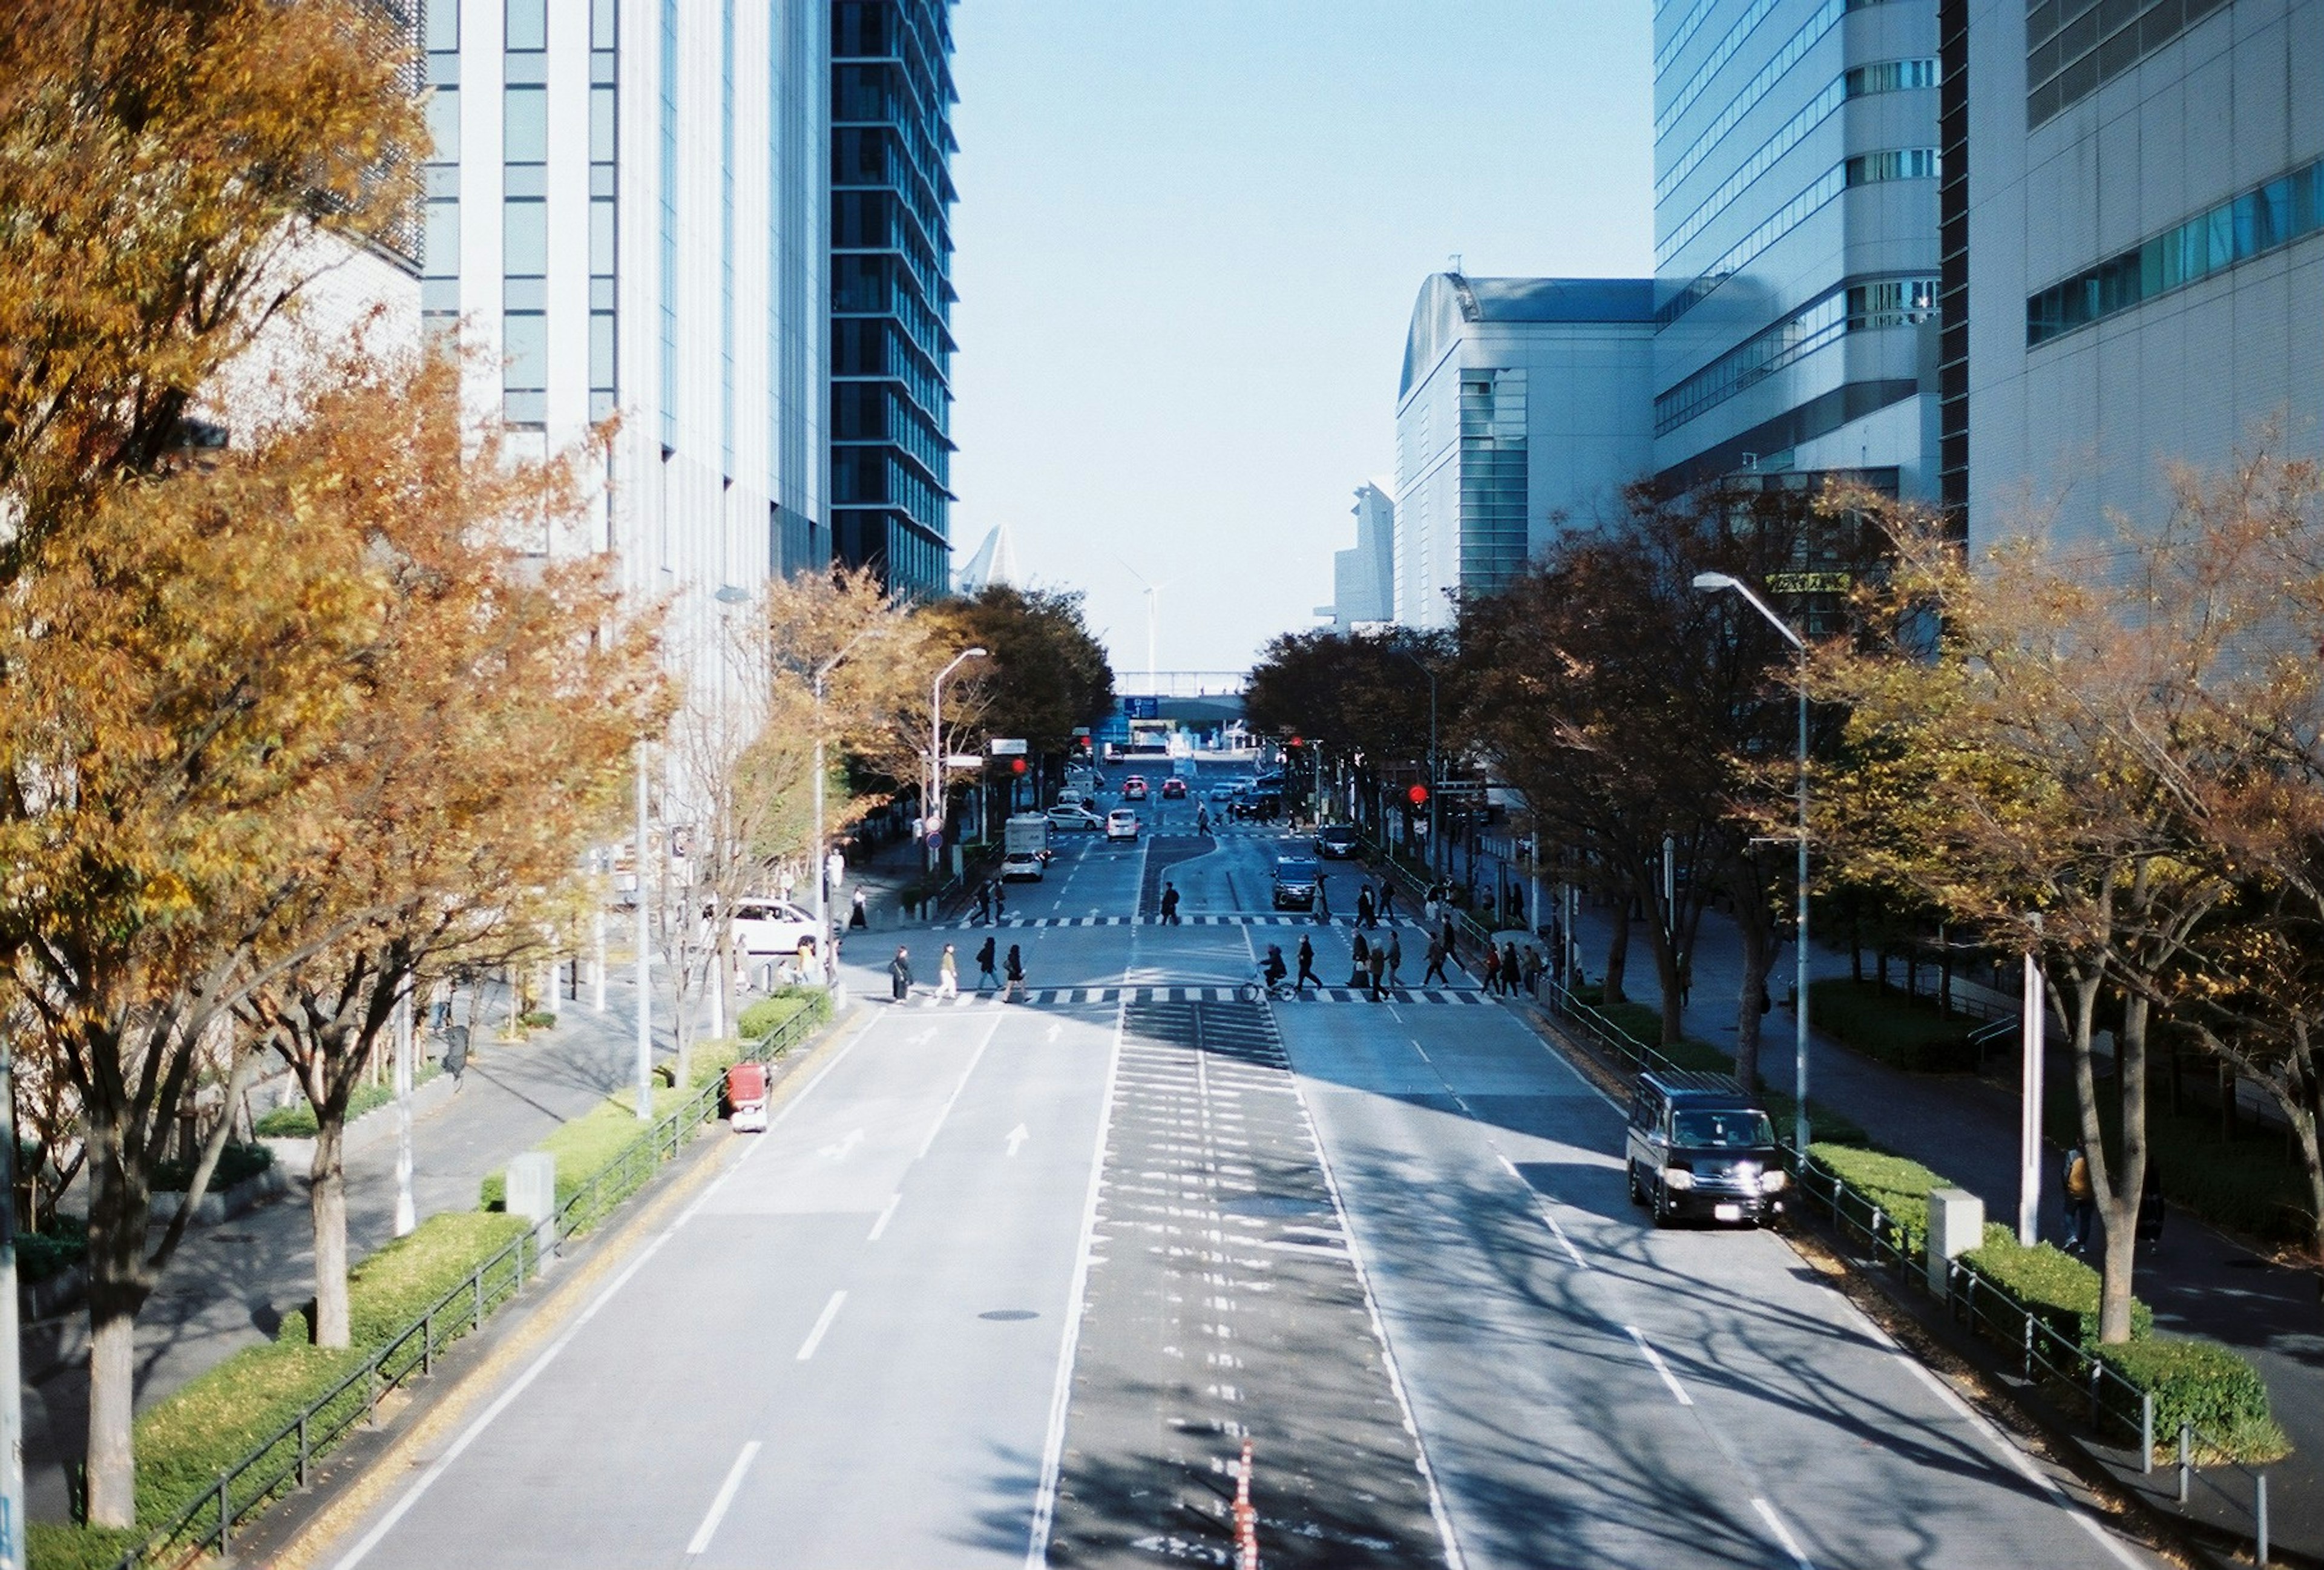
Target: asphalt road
[1012,1285]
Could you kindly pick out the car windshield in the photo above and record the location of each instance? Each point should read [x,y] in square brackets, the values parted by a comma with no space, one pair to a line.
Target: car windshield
[1296,871]
[1734,1128]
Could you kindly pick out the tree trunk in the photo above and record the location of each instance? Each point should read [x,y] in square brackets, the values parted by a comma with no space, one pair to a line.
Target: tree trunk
[119,1204]
[327,1202]
[2120,1210]
[1618,952]
[1758,951]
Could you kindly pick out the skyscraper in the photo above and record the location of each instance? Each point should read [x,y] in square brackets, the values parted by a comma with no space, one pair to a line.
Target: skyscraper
[891,197]
[1795,239]
[624,214]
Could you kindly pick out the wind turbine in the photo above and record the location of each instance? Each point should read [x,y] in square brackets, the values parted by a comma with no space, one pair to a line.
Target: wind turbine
[1153,621]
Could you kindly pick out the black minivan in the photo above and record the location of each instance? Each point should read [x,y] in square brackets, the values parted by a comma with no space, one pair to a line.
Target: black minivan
[1701,1147]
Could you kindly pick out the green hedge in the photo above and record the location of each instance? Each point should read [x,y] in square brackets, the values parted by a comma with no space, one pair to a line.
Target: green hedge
[763,1018]
[296,1121]
[237,1163]
[2207,1384]
[51,1252]
[2249,1184]
[1897,1028]
[398,1284]
[2055,1288]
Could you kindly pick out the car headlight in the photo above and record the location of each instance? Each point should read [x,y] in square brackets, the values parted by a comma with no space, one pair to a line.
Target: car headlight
[1772,1180]
[1677,1177]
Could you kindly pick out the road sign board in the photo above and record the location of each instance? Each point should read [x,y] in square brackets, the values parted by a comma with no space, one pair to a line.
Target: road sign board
[1141,708]
[964,761]
[1006,747]
[936,839]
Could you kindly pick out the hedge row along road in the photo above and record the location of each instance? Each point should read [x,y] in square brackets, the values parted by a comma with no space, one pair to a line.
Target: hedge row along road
[1011,1285]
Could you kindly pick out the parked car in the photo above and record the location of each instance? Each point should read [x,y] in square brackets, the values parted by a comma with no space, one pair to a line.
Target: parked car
[1337,841]
[1122,823]
[1223,792]
[1134,788]
[765,926]
[1699,1145]
[1022,867]
[1174,789]
[1070,797]
[1073,816]
[1294,883]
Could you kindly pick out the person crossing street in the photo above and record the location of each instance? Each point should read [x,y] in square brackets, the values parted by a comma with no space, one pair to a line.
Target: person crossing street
[1307,968]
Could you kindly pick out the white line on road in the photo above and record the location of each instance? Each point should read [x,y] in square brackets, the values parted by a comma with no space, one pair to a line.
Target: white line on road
[1016,1138]
[1783,1533]
[507,1398]
[1661,1367]
[946,1112]
[1542,1203]
[881,1226]
[726,1493]
[822,1322]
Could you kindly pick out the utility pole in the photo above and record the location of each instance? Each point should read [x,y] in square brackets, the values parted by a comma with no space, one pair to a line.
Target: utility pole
[407,1214]
[11,1370]
[645,959]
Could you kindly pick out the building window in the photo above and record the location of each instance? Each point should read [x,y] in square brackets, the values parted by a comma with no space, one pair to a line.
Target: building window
[524,237]
[1898,163]
[528,24]
[524,125]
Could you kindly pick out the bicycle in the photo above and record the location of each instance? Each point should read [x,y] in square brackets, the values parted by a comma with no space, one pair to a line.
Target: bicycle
[1258,987]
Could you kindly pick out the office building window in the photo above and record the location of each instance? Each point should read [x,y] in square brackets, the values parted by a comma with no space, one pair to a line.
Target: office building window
[524,124]
[2074,47]
[1898,163]
[528,24]
[524,237]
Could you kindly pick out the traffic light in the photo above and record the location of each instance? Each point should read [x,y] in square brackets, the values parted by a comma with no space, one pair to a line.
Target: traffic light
[1417,795]
[1016,766]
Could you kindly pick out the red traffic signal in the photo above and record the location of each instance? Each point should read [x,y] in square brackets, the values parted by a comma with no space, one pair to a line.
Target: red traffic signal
[1016,766]
[1417,795]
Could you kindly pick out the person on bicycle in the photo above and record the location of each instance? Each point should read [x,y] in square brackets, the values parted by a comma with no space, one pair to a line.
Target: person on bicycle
[1275,970]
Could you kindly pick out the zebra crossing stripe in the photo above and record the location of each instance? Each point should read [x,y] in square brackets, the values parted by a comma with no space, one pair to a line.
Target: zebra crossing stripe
[1078,997]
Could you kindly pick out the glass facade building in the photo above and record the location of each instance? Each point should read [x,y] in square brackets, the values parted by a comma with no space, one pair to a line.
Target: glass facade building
[891,277]
[1796,163]
[625,212]
[1523,405]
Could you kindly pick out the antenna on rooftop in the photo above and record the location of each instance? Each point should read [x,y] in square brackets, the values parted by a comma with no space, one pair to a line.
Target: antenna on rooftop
[1452,262]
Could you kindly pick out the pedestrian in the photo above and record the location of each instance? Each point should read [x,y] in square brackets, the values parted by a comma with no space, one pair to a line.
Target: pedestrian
[1364,906]
[1170,904]
[999,900]
[2082,1202]
[1533,969]
[899,973]
[1360,961]
[835,873]
[1685,978]
[984,904]
[859,919]
[1015,974]
[1388,901]
[1445,932]
[2150,1203]
[1435,971]
[984,967]
[947,975]
[456,1055]
[1202,821]
[1492,969]
[1379,970]
[1395,957]
[439,1003]
[1509,968]
[1322,901]
[1307,968]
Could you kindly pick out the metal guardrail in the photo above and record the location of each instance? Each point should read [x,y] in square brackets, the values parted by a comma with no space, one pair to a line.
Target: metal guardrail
[284,1462]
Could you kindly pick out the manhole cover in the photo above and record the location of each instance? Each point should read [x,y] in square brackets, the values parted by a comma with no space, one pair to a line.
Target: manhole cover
[1273,1204]
[1008,1314]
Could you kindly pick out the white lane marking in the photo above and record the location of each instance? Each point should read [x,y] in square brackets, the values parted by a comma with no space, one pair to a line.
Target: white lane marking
[507,1398]
[2023,1464]
[1541,1203]
[1781,1533]
[1053,1448]
[822,1322]
[1661,1367]
[840,1149]
[886,1211]
[1502,1156]
[1016,1138]
[945,1111]
[726,1492]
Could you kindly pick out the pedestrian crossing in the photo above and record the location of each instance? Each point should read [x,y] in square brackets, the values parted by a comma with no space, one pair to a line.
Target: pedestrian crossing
[1067,997]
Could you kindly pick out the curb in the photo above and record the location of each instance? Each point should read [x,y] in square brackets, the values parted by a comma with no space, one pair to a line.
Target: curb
[336,1506]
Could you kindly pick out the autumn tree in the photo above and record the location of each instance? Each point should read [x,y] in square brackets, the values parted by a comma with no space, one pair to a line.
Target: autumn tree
[2015,733]
[488,743]
[171,172]
[1044,674]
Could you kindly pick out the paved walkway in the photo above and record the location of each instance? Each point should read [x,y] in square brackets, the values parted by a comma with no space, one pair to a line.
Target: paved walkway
[229,1286]
[2198,1281]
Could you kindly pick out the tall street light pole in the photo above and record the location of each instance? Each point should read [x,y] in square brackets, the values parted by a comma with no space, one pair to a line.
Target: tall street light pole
[932,818]
[1719,580]
[822,883]
[645,957]
[1434,839]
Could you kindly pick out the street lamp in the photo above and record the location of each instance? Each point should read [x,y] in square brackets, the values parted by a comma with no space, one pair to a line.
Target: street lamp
[823,957]
[1434,839]
[932,817]
[1714,581]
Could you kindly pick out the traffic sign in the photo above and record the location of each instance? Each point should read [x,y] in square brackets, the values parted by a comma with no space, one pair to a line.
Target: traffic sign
[964,761]
[1141,708]
[936,839]
[1006,747]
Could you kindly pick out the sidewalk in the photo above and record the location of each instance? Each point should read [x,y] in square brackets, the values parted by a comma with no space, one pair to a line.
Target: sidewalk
[230,1287]
[2198,1281]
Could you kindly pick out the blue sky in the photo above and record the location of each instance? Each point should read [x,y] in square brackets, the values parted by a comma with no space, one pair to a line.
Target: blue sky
[1189,236]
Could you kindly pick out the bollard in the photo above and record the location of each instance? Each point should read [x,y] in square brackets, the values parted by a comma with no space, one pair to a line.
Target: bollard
[2146,1433]
[2259,1508]
[2186,1451]
[2029,1345]
[225,1522]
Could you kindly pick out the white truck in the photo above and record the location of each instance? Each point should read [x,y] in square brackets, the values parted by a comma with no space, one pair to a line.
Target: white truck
[1025,846]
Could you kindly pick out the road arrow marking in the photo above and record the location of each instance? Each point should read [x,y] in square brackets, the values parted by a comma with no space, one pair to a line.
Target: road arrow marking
[1016,1138]
[839,1152]
[1055,1031]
